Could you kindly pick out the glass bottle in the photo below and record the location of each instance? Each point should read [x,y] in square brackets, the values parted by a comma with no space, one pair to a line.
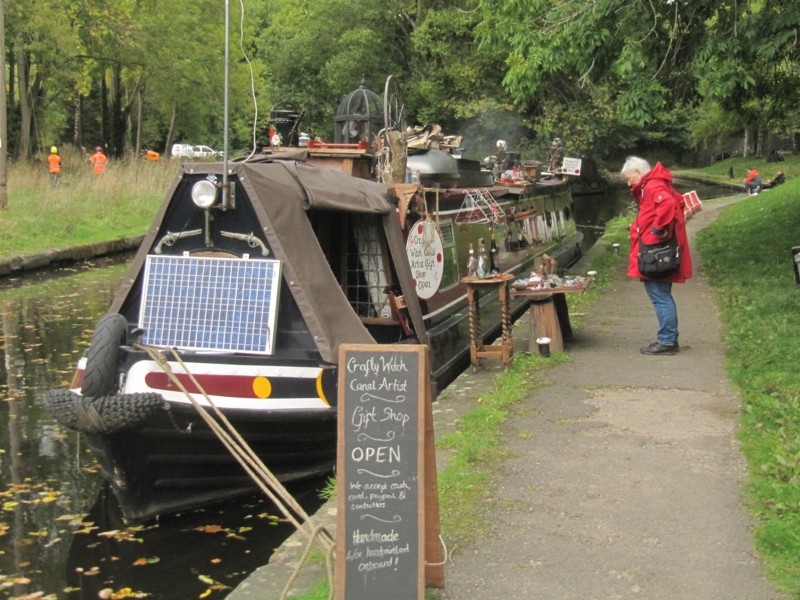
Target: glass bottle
[494,258]
[472,262]
[483,260]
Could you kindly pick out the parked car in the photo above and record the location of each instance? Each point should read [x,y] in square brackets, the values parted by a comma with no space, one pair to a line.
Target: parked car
[189,151]
[182,151]
[205,152]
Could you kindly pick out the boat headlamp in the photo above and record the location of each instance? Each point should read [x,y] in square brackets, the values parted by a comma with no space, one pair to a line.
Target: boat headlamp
[204,193]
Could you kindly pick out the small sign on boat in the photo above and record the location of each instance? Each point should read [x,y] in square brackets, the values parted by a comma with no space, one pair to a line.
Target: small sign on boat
[426,257]
[571,166]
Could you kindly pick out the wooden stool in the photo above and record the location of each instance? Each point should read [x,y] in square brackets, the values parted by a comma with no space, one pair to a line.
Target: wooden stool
[477,349]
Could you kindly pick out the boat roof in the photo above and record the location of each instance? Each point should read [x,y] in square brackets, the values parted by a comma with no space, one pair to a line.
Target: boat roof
[281,190]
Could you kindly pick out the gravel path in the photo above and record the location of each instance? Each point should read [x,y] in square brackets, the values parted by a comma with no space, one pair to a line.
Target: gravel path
[626,477]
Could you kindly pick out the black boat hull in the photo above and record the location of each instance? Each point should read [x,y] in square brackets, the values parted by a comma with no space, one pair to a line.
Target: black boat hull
[173,461]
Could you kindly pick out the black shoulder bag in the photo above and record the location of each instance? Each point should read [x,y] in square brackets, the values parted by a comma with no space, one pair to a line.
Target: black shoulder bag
[661,259]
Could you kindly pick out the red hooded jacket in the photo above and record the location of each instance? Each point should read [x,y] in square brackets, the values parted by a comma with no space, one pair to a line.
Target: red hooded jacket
[660,209]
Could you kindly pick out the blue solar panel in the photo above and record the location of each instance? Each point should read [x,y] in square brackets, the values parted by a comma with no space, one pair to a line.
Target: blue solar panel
[203,303]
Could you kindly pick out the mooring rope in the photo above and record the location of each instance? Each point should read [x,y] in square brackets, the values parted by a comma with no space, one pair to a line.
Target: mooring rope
[252,464]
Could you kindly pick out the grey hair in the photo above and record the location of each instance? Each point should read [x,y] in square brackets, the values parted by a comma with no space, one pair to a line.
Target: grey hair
[633,164]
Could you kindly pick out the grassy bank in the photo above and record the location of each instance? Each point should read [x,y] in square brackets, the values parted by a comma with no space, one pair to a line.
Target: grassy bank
[84,208]
[720,172]
[748,260]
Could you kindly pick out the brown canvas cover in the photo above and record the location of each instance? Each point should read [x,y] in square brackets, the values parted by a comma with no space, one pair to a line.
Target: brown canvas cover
[281,191]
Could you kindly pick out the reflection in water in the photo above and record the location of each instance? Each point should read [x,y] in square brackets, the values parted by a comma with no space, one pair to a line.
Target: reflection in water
[45,471]
[183,555]
[49,479]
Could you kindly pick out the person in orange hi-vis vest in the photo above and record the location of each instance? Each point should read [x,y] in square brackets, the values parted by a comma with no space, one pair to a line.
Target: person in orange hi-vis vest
[98,161]
[54,160]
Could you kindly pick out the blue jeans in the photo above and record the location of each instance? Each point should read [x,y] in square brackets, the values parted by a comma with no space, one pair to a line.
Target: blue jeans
[660,294]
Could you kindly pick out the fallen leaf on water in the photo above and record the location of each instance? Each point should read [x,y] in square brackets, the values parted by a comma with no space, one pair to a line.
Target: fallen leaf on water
[211,529]
[38,533]
[127,593]
[125,535]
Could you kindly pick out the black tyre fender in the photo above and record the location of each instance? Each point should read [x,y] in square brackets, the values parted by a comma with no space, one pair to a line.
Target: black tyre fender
[102,357]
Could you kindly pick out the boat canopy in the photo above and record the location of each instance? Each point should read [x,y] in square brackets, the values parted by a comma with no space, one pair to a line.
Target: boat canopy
[281,190]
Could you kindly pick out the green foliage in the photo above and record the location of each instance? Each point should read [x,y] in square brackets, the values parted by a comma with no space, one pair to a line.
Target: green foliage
[329,490]
[604,76]
[754,280]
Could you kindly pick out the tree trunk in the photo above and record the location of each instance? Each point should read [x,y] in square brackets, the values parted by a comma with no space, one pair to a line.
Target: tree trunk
[3,114]
[104,127]
[139,111]
[117,118]
[77,126]
[171,131]
[746,144]
[761,140]
[25,111]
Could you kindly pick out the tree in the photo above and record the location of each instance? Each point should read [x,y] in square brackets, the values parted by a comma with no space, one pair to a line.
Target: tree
[3,114]
[621,63]
[749,64]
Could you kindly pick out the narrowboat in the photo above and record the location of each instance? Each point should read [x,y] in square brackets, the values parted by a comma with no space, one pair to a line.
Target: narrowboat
[252,275]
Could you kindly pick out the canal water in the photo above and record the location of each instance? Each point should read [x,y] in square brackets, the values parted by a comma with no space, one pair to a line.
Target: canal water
[61,533]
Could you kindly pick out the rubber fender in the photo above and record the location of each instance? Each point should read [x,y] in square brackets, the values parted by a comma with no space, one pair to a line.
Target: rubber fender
[102,358]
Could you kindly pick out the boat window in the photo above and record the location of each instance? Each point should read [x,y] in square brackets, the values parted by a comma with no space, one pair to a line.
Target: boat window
[450,275]
[366,269]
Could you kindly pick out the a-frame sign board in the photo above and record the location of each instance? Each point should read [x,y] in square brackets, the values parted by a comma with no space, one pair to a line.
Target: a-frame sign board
[387,537]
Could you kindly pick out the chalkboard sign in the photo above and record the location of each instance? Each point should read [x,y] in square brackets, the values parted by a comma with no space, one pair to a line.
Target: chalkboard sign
[380,473]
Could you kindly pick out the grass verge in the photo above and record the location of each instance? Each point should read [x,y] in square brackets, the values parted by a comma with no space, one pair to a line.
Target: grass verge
[720,171]
[748,260]
[84,208]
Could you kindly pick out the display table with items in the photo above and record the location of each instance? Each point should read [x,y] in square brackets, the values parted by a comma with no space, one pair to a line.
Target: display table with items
[502,348]
[549,314]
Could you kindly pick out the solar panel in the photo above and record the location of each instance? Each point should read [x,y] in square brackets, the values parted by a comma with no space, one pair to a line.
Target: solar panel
[209,303]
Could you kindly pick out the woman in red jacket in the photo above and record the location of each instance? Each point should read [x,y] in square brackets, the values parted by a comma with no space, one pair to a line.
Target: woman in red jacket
[660,217]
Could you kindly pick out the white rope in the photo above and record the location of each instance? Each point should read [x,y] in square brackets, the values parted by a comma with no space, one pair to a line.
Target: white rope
[251,463]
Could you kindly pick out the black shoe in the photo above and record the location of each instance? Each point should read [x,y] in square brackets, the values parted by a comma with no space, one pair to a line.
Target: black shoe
[659,348]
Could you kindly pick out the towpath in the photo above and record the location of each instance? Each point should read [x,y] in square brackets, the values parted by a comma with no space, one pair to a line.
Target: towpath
[627,482]
[625,479]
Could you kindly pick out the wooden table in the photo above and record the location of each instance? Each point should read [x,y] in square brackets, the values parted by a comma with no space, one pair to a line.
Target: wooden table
[477,349]
[550,314]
